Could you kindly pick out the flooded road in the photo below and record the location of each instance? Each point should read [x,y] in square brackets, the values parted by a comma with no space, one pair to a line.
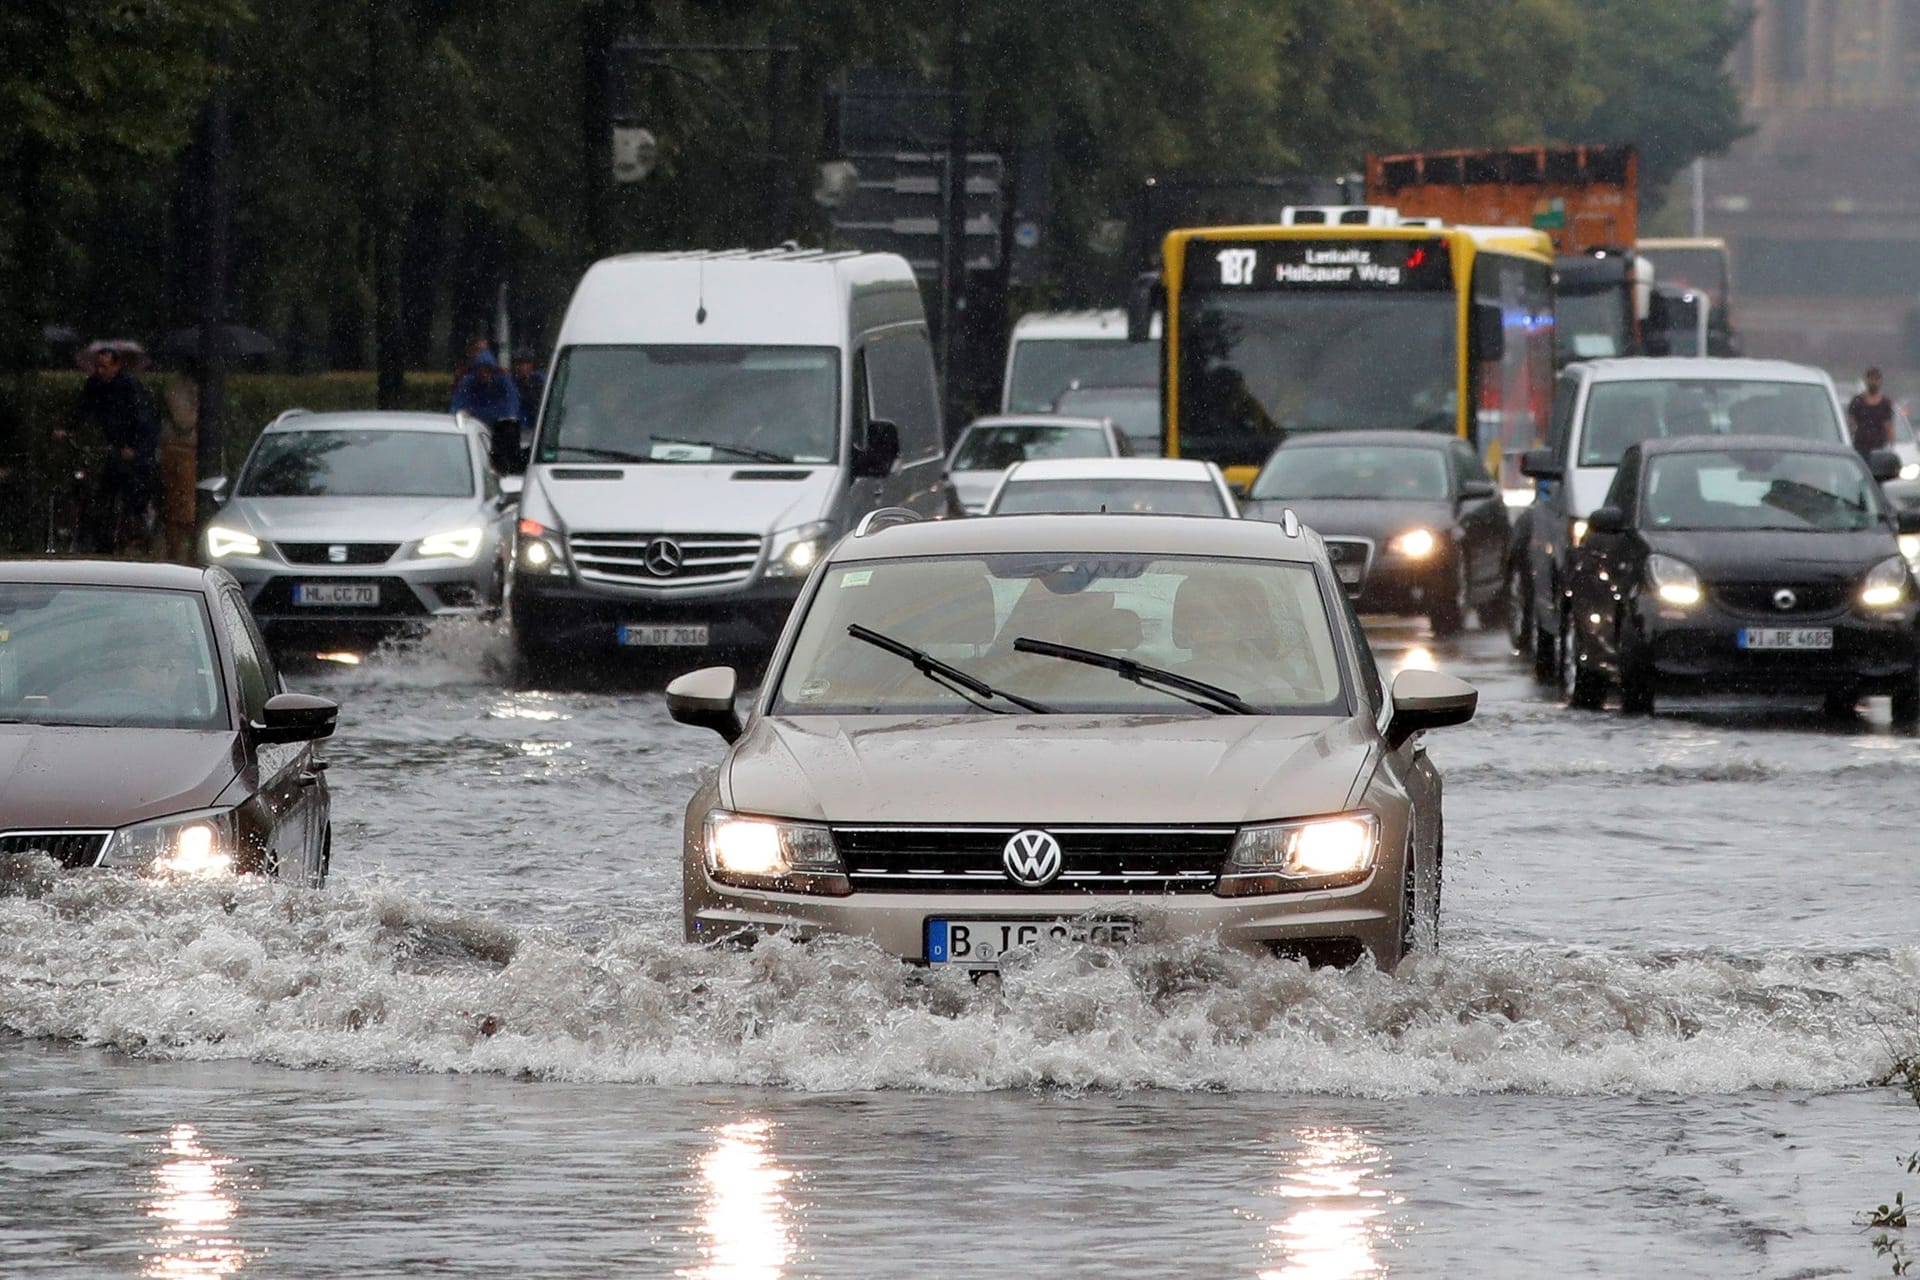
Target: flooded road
[1675,953]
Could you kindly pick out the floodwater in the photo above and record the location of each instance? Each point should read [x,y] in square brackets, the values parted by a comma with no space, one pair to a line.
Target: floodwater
[1676,956]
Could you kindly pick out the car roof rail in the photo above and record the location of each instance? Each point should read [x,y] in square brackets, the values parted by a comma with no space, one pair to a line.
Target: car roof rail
[284,414]
[884,518]
[1290,522]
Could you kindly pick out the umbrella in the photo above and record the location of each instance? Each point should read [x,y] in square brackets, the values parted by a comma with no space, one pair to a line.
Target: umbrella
[131,353]
[236,342]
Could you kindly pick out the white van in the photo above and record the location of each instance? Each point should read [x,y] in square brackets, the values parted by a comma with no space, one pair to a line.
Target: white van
[1054,352]
[713,423]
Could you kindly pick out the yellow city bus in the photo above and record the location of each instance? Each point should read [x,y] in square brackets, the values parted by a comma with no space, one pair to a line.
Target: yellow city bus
[1345,324]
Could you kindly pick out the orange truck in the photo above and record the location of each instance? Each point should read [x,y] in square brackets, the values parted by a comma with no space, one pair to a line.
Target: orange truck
[1586,199]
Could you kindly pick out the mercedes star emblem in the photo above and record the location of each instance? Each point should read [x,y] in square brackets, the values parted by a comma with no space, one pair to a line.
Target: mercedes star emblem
[663,557]
[1784,599]
[1032,859]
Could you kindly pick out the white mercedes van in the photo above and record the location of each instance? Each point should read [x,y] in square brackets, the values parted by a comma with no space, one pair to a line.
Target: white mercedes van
[713,423]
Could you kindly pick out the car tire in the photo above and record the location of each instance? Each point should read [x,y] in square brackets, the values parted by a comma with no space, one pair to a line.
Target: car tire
[1448,618]
[1420,911]
[1906,702]
[1583,688]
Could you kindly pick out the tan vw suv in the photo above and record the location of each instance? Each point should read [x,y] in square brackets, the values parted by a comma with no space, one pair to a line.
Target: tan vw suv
[982,737]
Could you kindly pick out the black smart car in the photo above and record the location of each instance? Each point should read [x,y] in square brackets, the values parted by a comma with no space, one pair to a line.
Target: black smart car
[1746,563]
[142,725]
[1412,521]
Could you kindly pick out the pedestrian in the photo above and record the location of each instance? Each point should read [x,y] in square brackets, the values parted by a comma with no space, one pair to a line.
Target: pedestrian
[180,462]
[117,411]
[1870,414]
[487,392]
[530,384]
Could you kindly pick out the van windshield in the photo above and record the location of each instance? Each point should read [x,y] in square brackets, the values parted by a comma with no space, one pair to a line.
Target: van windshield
[672,404]
[1625,413]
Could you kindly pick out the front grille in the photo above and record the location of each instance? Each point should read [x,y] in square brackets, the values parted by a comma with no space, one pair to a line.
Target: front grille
[1107,860]
[322,552]
[68,848]
[1756,598]
[665,559]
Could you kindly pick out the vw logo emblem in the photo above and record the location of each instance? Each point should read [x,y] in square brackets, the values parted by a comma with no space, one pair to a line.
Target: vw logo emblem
[336,554]
[663,557]
[1784,599]
[1032,859]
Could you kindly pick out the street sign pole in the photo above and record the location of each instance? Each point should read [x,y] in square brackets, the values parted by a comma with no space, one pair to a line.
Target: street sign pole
[953,221]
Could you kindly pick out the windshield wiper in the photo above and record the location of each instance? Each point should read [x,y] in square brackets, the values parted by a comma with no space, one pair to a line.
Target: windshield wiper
[945,674]
[737,450]
[607,455]
[1201,694]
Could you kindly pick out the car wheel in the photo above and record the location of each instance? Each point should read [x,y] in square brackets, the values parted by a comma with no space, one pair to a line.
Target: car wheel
[1582,686]
[1449,617]
[1906,702]
[1420,904]
[1519,606]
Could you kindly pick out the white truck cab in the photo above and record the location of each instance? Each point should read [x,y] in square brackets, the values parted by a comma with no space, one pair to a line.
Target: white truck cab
[1054,352]
[714,421]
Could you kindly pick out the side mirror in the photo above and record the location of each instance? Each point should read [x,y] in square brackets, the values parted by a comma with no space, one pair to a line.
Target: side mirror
[1147,296]
[704,699]
[1907,521]
[1477,490]
[1885,465]
[1428,700]
[1606,520]
[511,487]
[1540,464]
[295,717]
[1489,331]
[875,458]
[216,488]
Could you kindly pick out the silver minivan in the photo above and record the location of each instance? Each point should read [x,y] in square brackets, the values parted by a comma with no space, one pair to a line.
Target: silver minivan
[713,423]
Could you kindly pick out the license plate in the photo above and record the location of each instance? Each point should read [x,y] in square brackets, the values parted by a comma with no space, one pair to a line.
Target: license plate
[1786,637]
[663,636]
[980,944]
[350,595]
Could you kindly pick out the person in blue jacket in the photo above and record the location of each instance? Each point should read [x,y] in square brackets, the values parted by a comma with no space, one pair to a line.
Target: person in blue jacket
[486,392]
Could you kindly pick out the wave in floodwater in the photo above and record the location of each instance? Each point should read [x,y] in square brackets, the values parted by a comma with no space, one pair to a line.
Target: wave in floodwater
[374,980]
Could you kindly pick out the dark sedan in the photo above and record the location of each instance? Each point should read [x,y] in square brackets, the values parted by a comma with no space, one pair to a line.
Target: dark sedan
[1746,563]
[1412,521]
[143,725]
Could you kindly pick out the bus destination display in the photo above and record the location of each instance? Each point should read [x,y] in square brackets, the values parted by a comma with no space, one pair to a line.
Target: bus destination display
[1386,265]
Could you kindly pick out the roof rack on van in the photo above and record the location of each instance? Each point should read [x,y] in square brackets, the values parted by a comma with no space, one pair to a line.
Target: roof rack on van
[884,518]
[1290,522]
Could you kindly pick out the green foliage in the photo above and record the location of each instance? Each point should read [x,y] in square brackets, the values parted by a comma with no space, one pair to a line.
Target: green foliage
[1885,1219]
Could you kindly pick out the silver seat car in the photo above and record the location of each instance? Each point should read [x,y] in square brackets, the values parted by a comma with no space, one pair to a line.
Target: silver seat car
[345,527]
[980,737]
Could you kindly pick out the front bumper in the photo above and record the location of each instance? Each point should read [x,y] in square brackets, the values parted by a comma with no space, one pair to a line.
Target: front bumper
[411,593]
[1702,651]
[555,612]
[1394,585]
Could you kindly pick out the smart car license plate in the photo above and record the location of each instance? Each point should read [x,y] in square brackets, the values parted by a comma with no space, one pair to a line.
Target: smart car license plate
[662,636]
[350,595]
[1786,637]
[980,944]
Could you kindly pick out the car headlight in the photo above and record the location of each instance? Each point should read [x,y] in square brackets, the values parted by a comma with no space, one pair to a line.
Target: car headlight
[1910,547]
[223,542]
[794,552]
[1414,544]
[1317,853]
[1910,471]
[456,544]
[1886,584]
[766,853]
[194,845]
[1674,581]
[539,549]
[1577,532]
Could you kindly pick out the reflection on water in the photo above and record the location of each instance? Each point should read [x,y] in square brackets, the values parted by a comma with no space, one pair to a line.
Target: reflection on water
[1335,1187]
[745,1220]
[193,1202]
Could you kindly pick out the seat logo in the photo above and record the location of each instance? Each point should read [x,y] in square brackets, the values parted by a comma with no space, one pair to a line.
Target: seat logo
[1784,599]
[663,557]
[1032,859]
[336,554]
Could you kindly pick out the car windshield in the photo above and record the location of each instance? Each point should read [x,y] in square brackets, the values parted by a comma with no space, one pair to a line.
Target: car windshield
[692,404]
[1046,368]
[997,447]
[1760,489]
[359,463]
[107,656]
[1131,494]
[1135,410]
[1256,628]
[1354,471]
[1620,414]
[1255,366]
